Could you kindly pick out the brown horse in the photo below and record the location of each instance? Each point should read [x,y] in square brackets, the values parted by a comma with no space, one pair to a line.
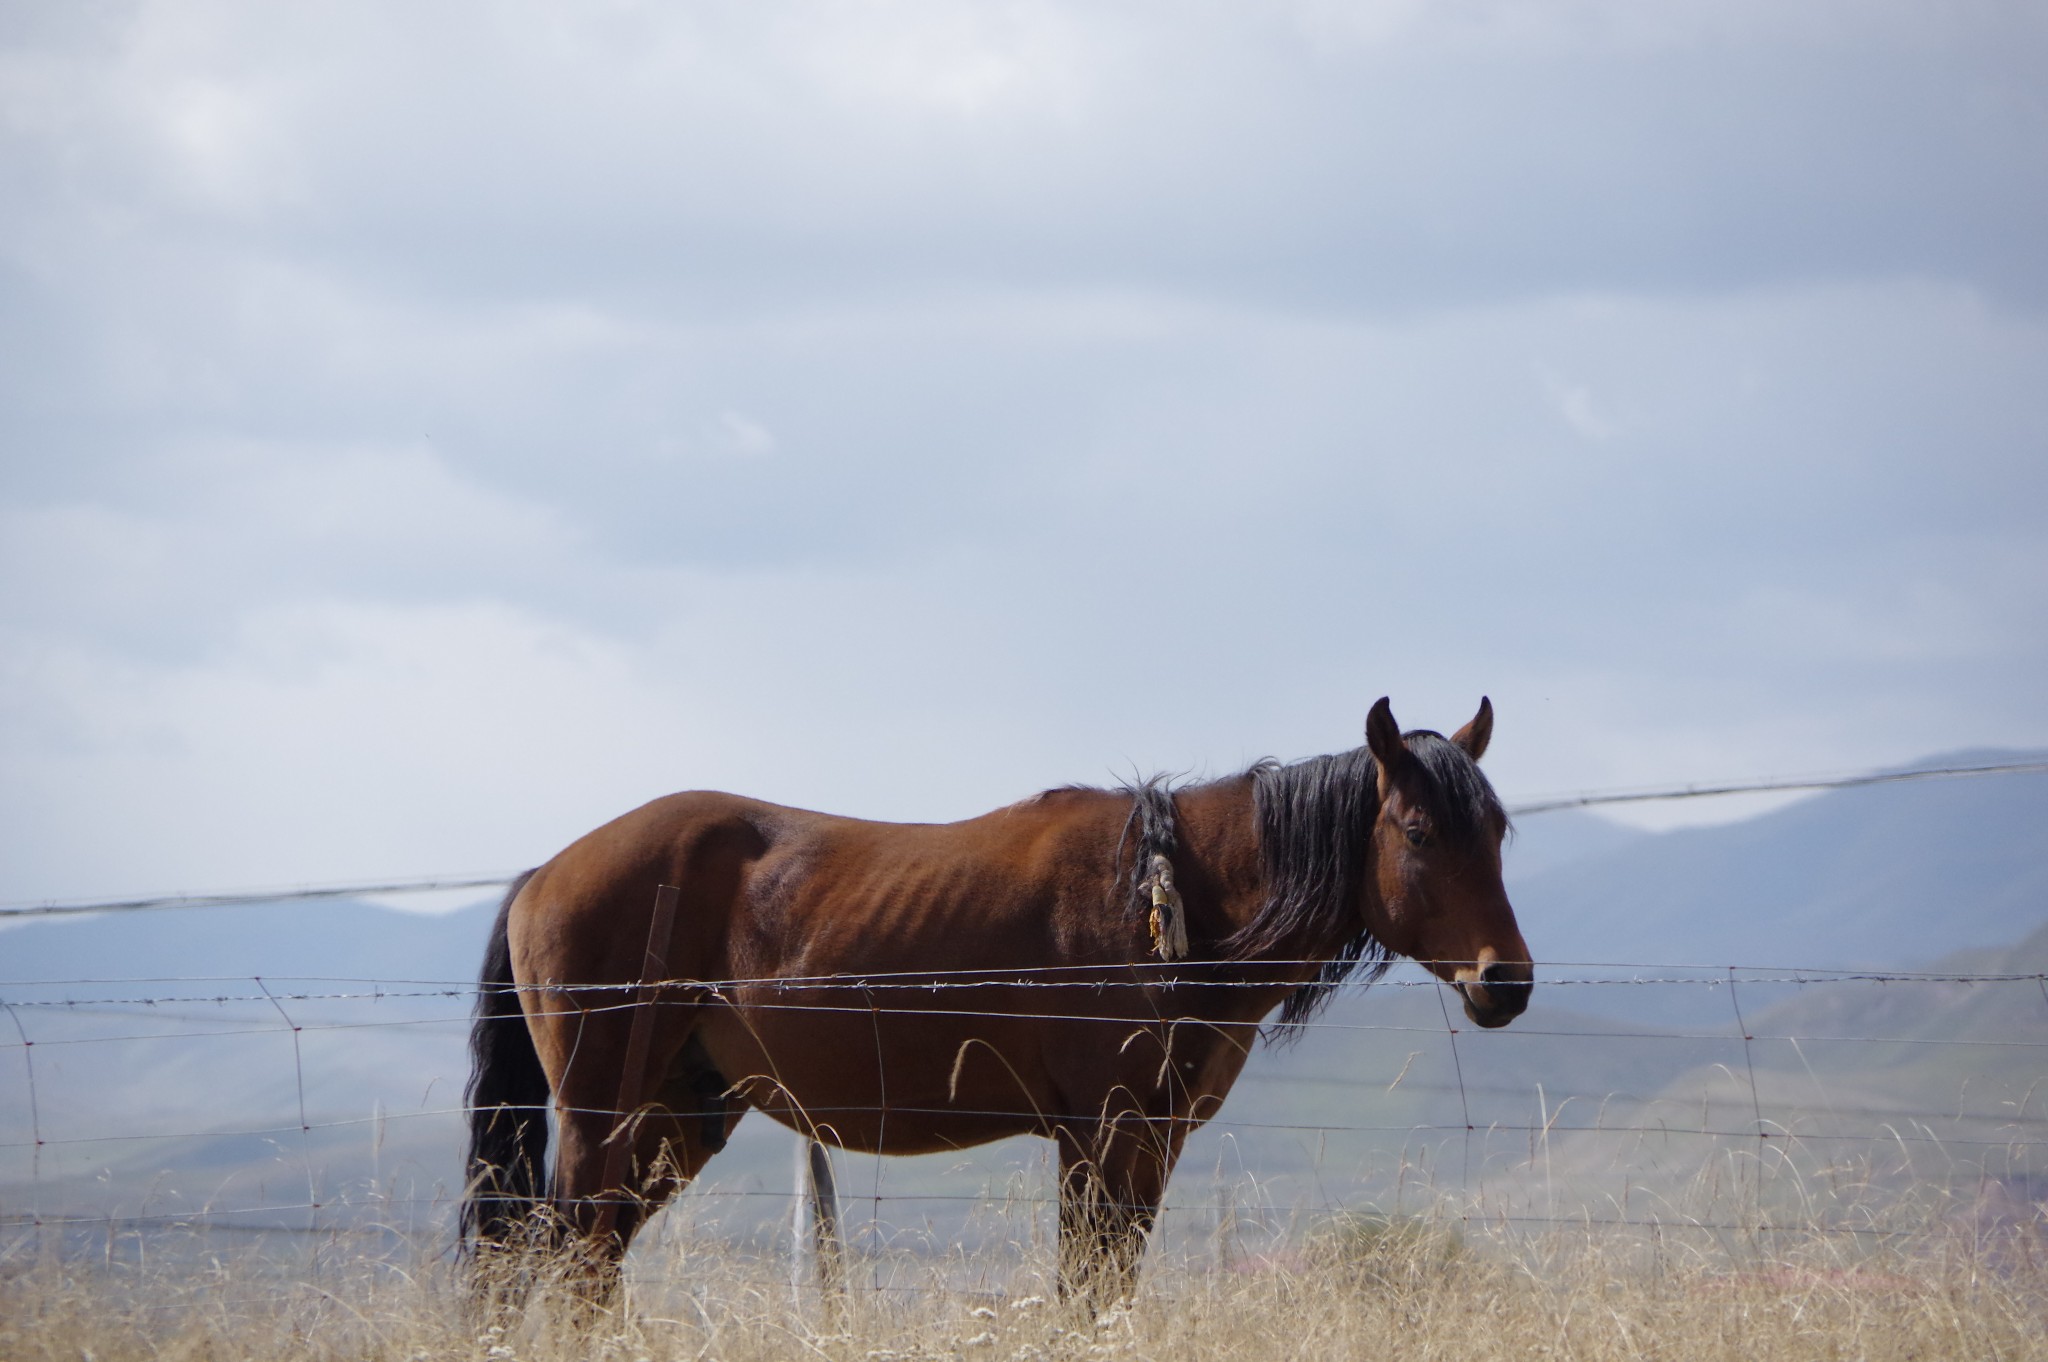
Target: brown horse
[903,989]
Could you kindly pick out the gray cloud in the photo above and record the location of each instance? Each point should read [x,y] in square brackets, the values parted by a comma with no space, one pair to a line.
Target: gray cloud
[468,421]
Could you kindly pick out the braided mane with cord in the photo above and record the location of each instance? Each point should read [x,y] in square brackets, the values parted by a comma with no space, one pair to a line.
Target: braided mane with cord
[1152,829]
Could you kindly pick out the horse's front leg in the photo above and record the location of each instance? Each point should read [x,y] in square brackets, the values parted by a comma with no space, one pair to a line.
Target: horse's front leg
[1112,1177]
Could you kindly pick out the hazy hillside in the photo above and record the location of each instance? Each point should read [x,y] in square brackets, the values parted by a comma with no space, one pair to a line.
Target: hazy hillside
[1882,875]
[1879,876]
[1543,842]
[319,938]
[1937,1009]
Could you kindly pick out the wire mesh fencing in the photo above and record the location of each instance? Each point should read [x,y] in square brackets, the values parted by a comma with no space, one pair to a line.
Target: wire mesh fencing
[1710,1101]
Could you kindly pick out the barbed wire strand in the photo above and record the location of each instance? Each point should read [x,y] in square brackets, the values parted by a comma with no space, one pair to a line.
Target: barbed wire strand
[256,897]
[1540,805]
[1004,1014]
[1346,1084]
[1551,804]
[1104,1020]
[1465,1125]
[1143,974]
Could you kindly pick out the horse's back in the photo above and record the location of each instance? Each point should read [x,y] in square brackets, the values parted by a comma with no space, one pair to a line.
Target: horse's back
[766,889]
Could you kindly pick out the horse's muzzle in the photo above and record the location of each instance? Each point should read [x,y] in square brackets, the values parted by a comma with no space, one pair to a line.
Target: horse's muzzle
[1500,993]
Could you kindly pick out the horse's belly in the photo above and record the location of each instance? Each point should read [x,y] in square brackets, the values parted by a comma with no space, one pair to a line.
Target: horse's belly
[905,1132]
[886,1080]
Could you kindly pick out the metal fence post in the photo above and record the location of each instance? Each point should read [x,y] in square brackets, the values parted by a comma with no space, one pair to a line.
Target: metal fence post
[817,1258]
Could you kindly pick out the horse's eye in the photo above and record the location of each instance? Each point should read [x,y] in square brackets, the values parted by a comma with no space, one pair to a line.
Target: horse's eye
[1417,836]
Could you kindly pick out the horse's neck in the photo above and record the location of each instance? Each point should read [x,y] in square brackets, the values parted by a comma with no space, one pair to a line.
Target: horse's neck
[1220,827]
[1220,824]
[1218,832]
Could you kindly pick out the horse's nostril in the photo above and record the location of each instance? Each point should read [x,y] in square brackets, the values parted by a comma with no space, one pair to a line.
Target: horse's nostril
[1503,989]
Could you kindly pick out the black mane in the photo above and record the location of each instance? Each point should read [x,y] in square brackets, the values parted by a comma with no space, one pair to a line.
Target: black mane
[1315,821]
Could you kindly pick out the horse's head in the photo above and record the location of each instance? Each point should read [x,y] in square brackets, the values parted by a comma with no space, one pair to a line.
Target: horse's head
[1435,891]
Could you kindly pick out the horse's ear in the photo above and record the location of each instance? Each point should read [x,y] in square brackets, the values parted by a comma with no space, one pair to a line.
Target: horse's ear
[1383,736]
[1474,736]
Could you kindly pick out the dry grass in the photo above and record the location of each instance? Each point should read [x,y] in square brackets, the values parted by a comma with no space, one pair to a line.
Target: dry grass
[1360,1286]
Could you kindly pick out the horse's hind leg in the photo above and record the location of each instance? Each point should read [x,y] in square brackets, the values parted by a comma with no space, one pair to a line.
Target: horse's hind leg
[674,1116]
[669,1149]
[684,1122]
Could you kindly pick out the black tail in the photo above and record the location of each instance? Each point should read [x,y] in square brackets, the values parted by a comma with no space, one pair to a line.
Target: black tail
[507,1099]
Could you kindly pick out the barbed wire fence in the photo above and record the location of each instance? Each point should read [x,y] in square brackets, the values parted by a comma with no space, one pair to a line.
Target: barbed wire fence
[79,1040]
[1464,1109]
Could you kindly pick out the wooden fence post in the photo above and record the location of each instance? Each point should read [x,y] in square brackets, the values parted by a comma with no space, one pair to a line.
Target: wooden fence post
[632,1075]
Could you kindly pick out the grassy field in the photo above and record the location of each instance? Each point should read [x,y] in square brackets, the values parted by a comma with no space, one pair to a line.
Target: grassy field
[1359,1285]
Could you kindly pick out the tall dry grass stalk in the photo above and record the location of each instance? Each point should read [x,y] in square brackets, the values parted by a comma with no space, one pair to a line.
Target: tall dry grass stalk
[1365,1286]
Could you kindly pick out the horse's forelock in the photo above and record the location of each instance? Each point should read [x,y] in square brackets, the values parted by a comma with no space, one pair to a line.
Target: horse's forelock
[1457,793]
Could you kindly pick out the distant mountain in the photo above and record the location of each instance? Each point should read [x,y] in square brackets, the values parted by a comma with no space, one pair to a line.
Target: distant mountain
[1545,841]
[1854,1100]
[2012,1011]
[319,938]
[1878,876]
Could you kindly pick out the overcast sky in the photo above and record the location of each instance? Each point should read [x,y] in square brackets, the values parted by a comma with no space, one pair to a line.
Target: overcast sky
[432,429]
